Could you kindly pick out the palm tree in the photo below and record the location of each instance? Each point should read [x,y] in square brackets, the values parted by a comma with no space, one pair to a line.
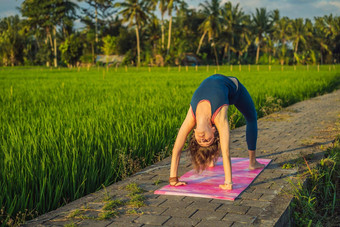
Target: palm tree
[300,32]
[282,33]
[235,34]
[48,15]
[135,12]
[262,25]
[98,5]
[329,26]
[320,35]
[211,25]
[171,5]
[11,39]
[162,8]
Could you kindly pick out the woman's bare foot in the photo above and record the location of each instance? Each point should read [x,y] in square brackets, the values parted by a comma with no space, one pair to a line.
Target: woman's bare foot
[226,186]
[255,165]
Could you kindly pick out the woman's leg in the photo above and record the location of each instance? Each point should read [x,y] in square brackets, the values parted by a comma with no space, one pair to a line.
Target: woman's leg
[246,106]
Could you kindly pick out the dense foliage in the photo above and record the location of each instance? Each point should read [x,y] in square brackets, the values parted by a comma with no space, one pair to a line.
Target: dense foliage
[217,33]
[317,203]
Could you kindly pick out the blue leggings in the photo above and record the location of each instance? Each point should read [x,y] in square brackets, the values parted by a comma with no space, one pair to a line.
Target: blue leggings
[246,106]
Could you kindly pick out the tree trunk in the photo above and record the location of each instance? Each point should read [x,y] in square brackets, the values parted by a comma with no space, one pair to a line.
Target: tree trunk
[228,54]
[295,49]
[138,47]
[225,51]
[321,56]
[257,53]
[92,45]
[169,36]
[55,46]
[162,28]
[96,27]
[12,57]
[47,62]
[200,43]
[215,53]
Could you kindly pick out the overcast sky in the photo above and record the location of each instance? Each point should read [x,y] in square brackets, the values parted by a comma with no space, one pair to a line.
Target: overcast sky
[290,8]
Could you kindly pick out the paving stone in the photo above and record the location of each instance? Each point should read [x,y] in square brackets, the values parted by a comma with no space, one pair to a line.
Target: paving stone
[247,219]
[152,219]
[125,218]
[205,223]
[175,204]
[208,215]
[181,222]
[240,224]
[194,199]
[149,187]
[266,197]
[219,201]
[255,211]
[203,205]
[251,196]
[252,203]
[152,210]
[233,209]
[150,196]
[180,212]
[173,197]
[124,224]
[58,221]
[94,223]
[261,184]
[266,191]
[155,202]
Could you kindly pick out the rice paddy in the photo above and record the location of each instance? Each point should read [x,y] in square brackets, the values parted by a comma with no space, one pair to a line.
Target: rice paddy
[66,132]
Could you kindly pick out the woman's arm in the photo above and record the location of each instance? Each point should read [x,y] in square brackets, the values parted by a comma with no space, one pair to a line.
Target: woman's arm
[221,122]
[183,132]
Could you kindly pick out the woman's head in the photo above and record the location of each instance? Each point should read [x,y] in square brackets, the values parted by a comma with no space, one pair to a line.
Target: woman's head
[203,156]
[204,134]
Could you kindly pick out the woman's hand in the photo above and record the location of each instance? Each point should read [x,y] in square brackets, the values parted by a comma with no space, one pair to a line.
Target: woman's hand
[226,186]
[174,182]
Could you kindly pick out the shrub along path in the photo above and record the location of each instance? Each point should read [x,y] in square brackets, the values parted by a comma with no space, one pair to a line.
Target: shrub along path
[301,130]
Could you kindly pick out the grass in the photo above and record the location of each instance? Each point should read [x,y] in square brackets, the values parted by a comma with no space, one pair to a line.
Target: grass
[318,202]
[112,204]
[66,132]
[114,207]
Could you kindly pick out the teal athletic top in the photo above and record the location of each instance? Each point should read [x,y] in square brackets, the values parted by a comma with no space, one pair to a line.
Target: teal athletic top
[219,90]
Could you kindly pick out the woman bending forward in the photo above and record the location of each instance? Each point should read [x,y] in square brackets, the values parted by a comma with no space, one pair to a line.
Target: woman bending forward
[208,111]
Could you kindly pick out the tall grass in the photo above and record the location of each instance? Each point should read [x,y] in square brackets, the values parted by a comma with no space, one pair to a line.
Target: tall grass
[318,203]
[64,133]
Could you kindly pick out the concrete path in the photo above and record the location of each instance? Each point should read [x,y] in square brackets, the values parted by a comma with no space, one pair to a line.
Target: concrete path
[299,130]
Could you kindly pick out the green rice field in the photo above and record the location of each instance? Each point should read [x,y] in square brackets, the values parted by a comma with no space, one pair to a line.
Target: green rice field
[65,133]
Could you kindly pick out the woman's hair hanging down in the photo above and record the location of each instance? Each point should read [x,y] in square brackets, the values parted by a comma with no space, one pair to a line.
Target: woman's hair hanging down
[201,157]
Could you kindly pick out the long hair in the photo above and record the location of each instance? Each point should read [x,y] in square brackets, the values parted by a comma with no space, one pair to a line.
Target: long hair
[201,157]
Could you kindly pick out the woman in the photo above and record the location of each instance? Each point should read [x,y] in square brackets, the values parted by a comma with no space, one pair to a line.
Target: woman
[208,111]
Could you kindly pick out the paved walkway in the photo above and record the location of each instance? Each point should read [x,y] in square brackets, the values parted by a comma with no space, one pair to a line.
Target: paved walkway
[299,130]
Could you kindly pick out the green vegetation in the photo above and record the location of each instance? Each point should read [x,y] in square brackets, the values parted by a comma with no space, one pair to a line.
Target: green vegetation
[317,203]
[217,32]
[136,198]
[65,133]
[112,204]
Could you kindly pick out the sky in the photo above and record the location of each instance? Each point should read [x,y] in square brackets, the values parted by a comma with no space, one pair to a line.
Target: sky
[290,8]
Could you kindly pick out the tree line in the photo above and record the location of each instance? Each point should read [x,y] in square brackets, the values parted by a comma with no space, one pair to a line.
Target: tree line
[162,32]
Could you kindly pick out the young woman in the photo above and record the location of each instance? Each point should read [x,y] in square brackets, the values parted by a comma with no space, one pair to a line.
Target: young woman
[208,111]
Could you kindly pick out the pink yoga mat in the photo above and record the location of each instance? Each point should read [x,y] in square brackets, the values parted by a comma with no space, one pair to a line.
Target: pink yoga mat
[206,184]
